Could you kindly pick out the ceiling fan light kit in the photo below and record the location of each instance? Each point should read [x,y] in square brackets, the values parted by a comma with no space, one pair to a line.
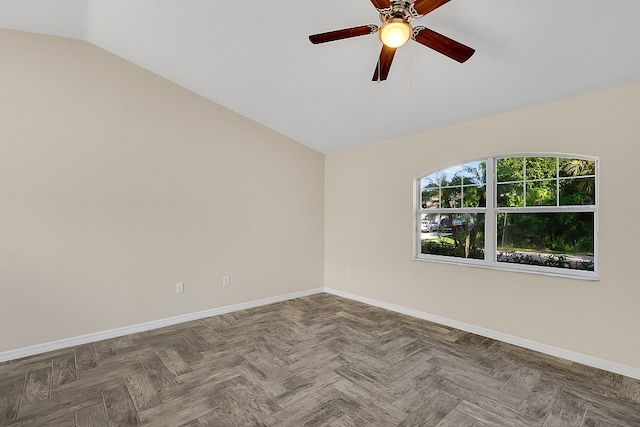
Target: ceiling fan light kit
[396,30]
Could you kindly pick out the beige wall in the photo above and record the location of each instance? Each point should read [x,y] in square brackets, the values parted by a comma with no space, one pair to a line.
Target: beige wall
[369,227]
[116,184]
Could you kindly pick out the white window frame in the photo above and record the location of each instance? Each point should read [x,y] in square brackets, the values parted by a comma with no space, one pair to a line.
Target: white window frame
[492,210]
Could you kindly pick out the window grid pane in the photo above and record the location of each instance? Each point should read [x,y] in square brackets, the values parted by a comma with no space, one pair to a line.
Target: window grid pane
[448,188]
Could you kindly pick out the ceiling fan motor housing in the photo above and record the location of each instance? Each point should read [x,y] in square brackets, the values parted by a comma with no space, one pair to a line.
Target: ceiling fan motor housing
[399,9]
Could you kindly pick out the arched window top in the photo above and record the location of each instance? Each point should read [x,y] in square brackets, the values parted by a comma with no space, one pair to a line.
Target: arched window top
[532,212]
[462,185]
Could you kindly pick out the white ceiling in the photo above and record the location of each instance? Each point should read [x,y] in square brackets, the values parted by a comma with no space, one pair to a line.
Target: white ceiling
[254,57]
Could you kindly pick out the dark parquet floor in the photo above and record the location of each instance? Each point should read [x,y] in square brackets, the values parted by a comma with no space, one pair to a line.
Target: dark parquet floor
[316,361]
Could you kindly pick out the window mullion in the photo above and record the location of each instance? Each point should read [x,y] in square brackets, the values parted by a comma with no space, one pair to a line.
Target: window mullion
[557,181]
[490,219]
[524,181]
[544,209]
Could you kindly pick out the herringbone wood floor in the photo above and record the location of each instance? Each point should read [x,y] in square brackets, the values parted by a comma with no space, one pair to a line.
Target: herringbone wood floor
[318,361]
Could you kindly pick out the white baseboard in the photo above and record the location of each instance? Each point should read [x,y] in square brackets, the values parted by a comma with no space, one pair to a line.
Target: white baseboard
[595,362]
[573,356]
[141,327]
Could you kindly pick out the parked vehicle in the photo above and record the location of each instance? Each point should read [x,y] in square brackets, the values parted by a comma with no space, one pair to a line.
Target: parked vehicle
[429,226]
[445,225]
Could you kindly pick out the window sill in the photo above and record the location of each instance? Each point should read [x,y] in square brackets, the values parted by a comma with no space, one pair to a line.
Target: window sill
[517,268]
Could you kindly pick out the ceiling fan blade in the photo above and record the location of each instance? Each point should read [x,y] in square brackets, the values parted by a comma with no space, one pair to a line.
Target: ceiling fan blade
[381,4]
[346,33]
[384,63]
[442,44]
[425,6]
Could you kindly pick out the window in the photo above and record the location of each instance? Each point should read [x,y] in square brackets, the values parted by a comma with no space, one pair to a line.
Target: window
[534,213]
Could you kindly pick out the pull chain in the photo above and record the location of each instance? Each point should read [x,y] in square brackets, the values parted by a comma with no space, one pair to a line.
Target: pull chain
[410,66]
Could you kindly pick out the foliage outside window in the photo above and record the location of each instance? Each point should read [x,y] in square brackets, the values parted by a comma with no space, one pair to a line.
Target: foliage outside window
[525,212]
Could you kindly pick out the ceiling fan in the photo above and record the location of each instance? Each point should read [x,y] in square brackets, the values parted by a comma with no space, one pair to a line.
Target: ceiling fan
[396,29]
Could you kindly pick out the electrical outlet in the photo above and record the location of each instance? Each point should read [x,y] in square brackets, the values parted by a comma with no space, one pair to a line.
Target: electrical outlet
[226,280]
[179,288]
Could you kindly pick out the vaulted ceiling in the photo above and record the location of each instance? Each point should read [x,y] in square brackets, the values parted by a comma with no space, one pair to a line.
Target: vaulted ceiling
[254,57]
